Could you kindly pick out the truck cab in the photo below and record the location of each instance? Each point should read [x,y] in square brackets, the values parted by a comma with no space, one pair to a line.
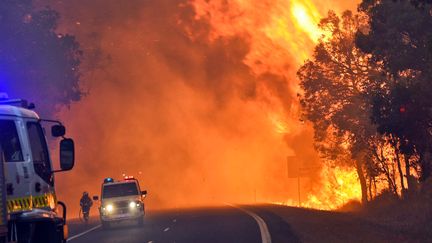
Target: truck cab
[29,174]
[121,201]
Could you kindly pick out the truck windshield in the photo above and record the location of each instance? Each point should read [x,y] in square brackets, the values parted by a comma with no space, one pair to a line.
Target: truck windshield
[120,190]
[39,151]
[10,141]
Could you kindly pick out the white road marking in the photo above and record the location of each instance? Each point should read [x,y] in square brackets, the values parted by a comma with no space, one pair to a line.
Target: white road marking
[83,233]
[265,234]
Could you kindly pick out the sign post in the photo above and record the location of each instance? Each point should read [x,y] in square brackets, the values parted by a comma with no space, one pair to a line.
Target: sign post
[295,170]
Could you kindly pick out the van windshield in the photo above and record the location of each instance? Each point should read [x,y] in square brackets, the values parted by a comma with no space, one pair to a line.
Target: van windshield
[120,190]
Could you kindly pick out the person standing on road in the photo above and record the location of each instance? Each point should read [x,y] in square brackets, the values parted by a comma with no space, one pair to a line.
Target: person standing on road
[85,203]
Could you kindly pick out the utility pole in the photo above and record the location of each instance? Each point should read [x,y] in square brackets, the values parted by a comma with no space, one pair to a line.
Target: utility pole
[293,176]
[298,189]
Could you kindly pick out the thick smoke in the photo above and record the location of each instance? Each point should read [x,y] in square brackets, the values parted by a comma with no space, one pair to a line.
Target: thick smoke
[176,108]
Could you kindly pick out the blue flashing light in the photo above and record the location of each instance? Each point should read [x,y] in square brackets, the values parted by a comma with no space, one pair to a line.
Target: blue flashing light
[108,180]
[4,96]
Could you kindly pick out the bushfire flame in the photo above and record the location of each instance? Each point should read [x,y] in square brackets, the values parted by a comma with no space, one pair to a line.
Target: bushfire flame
[339,186]
[307,19]
[193,94]
[285,31]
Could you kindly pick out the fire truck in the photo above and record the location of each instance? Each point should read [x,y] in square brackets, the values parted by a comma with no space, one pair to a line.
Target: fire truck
[33,212]
[3,210]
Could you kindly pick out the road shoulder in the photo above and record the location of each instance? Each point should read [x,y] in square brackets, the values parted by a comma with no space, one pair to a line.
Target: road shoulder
[323,226]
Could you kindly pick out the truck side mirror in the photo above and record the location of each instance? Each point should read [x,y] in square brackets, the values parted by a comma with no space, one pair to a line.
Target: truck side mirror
[95,198]
[67,154]
[144,193]
[58,130]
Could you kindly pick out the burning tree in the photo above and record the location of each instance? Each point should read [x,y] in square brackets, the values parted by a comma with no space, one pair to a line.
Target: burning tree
[36,62]
[400,38]
[366,90]
[339,83]
[335,83]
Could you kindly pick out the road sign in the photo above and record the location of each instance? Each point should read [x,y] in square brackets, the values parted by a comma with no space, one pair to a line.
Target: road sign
[296,168]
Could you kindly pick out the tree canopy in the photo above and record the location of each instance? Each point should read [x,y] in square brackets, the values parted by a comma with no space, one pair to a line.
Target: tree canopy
[36,62]
[400,37]
[366,90]
[335,82]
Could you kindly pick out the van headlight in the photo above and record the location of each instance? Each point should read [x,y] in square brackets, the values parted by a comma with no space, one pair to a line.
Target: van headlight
[134,205]
[109,208]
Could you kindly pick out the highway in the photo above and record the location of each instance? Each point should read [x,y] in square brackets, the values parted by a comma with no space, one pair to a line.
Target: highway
[221,224]
[237,224]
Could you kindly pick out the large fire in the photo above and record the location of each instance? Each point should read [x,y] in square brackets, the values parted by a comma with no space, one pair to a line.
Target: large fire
[280,31]
[339,186]
[200,97]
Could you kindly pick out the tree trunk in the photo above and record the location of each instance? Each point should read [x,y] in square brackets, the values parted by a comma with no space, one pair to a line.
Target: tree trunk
[362,180]
[401,176]
[370,188]
[410,179]
[395,143]
[393,177]
[425,166]
[379,155]
[375,186]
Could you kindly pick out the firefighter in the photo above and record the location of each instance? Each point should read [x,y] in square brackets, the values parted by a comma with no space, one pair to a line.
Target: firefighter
[85,204]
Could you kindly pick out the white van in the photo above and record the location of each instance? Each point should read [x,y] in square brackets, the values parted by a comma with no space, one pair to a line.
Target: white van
[121,201]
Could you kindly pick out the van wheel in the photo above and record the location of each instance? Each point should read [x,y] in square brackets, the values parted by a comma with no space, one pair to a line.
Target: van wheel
[106,225]
[140,222]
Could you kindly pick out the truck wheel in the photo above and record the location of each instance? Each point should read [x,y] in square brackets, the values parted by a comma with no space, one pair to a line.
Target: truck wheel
[48,232]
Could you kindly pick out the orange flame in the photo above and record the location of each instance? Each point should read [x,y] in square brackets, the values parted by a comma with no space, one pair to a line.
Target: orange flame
[136,69]
[307,17]
[282,35]
[339,186]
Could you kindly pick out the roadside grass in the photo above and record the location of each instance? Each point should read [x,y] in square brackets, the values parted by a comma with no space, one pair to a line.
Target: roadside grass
[411,215]
[311,225]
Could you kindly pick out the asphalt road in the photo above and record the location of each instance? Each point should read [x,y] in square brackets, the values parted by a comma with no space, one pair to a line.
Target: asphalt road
[222,224]
[260,223]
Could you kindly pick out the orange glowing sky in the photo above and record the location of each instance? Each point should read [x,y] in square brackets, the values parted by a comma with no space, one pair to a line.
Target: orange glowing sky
[197,98]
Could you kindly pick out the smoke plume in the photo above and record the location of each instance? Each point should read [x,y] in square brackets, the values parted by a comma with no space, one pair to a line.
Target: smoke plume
[198,103]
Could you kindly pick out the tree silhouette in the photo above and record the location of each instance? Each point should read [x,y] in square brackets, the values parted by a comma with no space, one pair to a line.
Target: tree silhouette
[335,84]
[400,38]
[36,63]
